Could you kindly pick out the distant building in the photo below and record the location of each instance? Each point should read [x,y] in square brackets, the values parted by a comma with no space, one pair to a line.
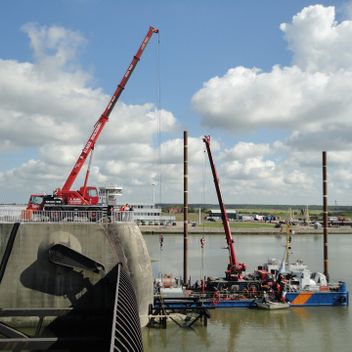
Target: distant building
[247,218]
[215,214]
[149,214]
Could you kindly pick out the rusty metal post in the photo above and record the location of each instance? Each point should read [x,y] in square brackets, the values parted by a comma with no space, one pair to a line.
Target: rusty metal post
[185,206]
[325,214]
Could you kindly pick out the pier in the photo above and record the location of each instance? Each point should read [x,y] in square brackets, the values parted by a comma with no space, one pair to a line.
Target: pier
[183,311]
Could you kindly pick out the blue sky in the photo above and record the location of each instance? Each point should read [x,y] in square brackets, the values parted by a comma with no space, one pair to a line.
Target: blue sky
[268,80]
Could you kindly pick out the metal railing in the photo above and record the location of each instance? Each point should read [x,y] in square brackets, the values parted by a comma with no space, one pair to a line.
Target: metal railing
[126,334]
[10,215]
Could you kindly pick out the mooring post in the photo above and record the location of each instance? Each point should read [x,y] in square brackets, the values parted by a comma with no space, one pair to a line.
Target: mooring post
[185,206]
[325,214]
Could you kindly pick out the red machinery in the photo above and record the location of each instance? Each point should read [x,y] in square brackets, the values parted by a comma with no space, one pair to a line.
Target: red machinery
[234,268]
[86,195]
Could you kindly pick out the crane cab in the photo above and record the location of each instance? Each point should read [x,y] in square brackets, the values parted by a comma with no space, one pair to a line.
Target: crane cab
[90,194]
[36,202]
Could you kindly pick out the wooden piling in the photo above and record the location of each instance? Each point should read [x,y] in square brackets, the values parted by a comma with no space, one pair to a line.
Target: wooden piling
[325,213]
[185,206]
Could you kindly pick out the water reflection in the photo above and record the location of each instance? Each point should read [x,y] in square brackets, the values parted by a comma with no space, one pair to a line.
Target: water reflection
[316,329]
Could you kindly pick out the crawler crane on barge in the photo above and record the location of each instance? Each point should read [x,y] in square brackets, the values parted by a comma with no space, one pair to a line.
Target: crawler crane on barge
[234,269]
[298,285]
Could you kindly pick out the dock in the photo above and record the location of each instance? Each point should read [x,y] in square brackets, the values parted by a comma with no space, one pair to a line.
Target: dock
[183,311]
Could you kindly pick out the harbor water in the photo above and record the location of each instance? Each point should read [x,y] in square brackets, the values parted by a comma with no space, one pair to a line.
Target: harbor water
[241,329]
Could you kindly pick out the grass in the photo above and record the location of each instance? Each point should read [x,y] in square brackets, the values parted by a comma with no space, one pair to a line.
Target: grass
[238,225]
[282,214]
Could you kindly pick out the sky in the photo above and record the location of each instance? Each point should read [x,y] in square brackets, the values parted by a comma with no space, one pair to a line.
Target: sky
[269,81]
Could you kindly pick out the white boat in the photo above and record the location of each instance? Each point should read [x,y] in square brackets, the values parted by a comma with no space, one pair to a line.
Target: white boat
[269,305]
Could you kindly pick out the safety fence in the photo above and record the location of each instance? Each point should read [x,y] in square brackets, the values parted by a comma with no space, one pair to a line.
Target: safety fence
[76,216]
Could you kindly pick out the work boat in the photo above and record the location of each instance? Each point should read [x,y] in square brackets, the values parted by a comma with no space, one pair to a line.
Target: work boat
[297,286]
[301,287]
[274,285]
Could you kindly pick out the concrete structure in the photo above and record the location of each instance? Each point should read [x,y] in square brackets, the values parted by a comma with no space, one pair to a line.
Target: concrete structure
[30,279]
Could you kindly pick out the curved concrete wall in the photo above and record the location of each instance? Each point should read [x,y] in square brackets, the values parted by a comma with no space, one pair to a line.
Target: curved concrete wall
[30,280]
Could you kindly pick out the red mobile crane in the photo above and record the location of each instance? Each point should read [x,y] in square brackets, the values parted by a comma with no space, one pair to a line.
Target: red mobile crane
[86,197]
[234,269]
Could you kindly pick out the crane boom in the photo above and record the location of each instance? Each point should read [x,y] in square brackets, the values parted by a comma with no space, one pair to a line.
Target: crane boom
[98,127]
[234,267]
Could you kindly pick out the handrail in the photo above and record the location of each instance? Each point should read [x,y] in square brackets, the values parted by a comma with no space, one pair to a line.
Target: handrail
[11,215]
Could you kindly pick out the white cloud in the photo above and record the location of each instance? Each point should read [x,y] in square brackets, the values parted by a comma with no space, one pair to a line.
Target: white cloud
[317,41]
[286,98]
[62,155]
[137,124]
[53,47]
[171,151]
[310,98]
[251,168]
[247,150]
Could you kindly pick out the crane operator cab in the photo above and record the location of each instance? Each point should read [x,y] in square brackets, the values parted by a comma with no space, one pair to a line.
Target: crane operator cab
[38,201]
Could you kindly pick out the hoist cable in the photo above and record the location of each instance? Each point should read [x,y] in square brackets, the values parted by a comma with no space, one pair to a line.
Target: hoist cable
[203,186]
[202,240]
[158,114]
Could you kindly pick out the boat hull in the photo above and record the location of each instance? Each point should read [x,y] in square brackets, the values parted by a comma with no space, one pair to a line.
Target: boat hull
[312,299]
[296,299]
[336,298]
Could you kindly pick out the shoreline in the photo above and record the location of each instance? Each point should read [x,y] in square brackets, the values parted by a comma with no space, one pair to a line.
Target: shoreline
[177,230]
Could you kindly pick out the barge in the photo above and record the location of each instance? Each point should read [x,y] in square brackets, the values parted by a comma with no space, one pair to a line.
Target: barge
[246,295]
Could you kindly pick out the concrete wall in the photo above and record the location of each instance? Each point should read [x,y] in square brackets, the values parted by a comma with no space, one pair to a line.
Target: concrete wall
[31,280]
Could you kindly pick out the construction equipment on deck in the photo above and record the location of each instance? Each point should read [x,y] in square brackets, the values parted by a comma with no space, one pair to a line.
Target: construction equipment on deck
[234,269]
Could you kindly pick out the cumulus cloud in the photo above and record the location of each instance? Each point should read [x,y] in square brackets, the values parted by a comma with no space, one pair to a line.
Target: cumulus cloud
[246,150]
[309,98]
[286,98]
[54,47]
[309,101]
[317,41]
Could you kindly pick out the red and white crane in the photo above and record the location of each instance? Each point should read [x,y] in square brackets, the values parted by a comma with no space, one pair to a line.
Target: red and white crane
[87,195]
[234,269]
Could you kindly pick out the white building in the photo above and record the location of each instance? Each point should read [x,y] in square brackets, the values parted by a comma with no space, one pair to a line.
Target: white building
[149,214]
[215,214]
